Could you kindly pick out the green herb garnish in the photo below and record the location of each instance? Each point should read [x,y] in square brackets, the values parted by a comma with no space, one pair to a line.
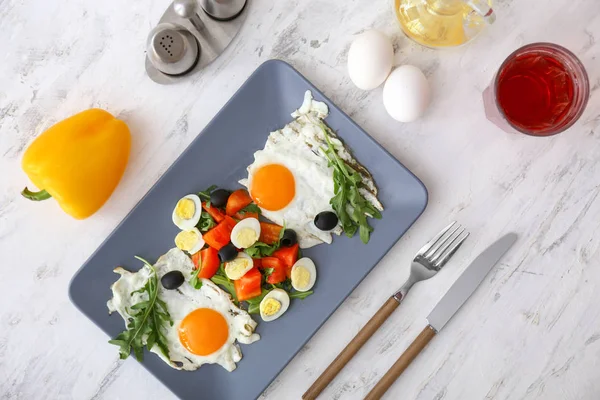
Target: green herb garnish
[250,208]
[260,249]
[206,194]
[301,295]
[268,271]
[206,222]
[196,282]
[285,285]
[146,321]
[254,303]
[349,204]
[221,279]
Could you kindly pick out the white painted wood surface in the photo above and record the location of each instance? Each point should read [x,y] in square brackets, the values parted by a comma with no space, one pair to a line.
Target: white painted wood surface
[531,331]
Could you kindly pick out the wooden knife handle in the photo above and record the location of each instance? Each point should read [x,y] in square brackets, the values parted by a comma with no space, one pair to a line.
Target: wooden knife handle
[351,349]
[403,362]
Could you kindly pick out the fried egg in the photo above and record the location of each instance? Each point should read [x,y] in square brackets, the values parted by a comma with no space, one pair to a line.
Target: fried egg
[291,180]
[206,324]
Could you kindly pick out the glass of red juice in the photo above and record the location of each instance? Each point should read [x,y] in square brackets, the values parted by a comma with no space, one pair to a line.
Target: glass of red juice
[541,89]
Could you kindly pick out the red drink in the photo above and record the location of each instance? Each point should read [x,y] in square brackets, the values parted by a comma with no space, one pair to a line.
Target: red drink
[541,89]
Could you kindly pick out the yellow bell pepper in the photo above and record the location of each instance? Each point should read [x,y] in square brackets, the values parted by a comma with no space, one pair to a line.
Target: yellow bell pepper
[78,161]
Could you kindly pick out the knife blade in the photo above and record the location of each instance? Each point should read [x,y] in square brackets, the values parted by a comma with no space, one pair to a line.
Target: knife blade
[470,279]
[452,301]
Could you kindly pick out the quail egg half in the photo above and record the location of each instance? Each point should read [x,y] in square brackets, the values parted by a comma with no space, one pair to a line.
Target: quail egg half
[187,212]
[274,305]
[245,233]
[304,274]
[190,241]
[238,267]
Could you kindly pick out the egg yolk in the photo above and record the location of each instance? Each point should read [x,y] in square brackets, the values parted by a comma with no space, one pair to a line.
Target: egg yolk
[271,307]
[203,331]
[185,208]
[300,276]
[273,187]
[186,240]
[246,237]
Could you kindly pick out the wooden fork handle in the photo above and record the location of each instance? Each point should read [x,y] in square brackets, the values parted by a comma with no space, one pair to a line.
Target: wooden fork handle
[403,362]
[351,349]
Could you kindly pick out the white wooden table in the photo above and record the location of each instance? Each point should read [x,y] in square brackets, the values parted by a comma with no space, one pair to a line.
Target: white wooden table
[531,331]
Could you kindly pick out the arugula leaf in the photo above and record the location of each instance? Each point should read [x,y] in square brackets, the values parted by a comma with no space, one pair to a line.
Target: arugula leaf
[206,194]
[206,222]
[260,249]
[254,303]
[301,295]
[227,284]
[349,204]
[254,308]
[285,285]
[221,279]
[195,281]
[146,322]
[252,208]
[268,271]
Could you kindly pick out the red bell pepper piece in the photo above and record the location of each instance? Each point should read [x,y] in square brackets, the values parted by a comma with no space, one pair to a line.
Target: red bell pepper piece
[210,263]
[249,285]
[289,256]
[237,200]
[278,274]
[220,235]
[269,233]
[214,212]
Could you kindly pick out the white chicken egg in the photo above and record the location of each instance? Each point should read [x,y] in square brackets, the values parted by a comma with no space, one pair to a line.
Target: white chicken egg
[187,211]
[274,304]
[370,59]
[406,93]
[190,241]
[304,274]
[206,324]
[245,233]
[238,267]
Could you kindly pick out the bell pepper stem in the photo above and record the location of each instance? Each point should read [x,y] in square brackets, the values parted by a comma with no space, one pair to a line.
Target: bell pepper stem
[35,196]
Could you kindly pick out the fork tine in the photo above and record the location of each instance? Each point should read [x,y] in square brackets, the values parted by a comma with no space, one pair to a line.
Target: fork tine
[444,241]
[456,243]
[433,241]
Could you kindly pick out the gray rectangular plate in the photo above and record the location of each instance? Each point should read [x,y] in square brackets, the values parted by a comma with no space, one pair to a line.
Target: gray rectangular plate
[220,155]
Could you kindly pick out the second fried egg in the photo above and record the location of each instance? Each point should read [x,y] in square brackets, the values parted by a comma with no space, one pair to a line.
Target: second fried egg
[206,324]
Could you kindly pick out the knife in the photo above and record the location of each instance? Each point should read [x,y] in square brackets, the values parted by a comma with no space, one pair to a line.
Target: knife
[454,298]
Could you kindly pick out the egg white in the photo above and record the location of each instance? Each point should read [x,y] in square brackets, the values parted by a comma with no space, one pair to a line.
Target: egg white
[279,295]
[296,147]
[188,224]
[299,146]
[180,302]
[309,265]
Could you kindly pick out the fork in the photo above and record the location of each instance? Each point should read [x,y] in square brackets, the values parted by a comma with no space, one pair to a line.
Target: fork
[427,262]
